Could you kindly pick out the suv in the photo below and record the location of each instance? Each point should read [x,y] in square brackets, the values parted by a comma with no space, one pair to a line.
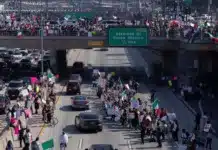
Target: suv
[14,88]
[78,68]
[73,87]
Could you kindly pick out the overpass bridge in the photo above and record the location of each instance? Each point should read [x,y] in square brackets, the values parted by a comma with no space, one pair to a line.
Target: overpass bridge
[81,42]
[174,52]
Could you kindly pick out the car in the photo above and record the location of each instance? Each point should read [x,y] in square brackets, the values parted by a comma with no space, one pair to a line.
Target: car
[17,55]
[8,59]
[25,63]
[3,64]
[80,101]
[101,147]
[73,87]
[2,84]
[78,67]
[4,103]
[3,52]
[76,77]
[14,88]
[35,56]
[88,121]
[5,74]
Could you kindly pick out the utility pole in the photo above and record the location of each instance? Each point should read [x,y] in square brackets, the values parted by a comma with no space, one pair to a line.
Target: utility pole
[42,44]
[46,9]
[164,8]
[20,8]
[209,6]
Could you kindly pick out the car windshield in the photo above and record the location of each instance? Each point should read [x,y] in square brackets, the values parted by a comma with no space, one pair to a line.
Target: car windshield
[72,83]
[15,84]
[25,61]
[89,116]
[17,53]
[74,77]
[79,98]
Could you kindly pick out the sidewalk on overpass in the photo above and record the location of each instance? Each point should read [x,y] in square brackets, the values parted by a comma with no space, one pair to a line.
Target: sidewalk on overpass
[185,117]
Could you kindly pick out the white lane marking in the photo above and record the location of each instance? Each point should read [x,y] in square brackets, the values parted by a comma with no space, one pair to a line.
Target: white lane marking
[80,144]
[129,145]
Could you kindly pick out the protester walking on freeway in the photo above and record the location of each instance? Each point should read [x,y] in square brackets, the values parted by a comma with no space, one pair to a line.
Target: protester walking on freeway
[142,128]
[9,145]
[63,140]
[158,135]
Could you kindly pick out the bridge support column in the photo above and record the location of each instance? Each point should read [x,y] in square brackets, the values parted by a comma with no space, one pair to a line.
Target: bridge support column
[170,62]
[61,63]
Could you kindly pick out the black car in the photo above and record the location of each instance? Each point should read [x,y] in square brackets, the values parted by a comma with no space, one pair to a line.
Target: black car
[25,63]
[14,88]
[78,68]
[88,121]
[101,147]
[4,103]
[2,84]
[5,74]
[3,64]
[73,87]
[8,59]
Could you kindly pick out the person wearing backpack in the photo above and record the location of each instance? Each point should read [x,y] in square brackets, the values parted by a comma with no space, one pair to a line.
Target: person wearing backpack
[27,140]
[9,146]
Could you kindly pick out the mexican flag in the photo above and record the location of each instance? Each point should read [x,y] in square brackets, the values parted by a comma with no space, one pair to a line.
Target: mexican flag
[19,34]
[215,39]
[155,106]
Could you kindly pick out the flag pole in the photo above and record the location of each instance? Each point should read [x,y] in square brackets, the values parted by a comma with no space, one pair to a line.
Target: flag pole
[41,38]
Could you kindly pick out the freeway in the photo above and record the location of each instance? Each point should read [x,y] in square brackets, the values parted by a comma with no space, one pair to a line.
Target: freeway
[123,139]
[112,133]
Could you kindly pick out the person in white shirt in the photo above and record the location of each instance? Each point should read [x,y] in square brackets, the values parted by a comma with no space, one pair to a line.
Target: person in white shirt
[63,140]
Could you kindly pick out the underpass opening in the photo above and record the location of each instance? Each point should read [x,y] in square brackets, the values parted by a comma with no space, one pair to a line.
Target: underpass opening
[125,62]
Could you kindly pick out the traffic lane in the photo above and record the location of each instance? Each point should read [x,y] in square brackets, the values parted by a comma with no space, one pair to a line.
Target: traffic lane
[84,140]
[135,57]
[78,140]
[169,101]
[115,57]
[185,117]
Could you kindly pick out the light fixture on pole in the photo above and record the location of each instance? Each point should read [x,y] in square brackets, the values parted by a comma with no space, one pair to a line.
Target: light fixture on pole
[42,44]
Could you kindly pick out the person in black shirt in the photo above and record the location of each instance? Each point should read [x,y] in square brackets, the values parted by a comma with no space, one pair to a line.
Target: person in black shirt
[158,135]
[142,133]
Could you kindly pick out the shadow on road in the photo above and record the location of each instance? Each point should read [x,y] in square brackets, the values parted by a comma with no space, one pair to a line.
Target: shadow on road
[71,129]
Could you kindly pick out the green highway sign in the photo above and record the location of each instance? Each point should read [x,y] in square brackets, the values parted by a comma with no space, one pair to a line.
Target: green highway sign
[187,2]
[128,36]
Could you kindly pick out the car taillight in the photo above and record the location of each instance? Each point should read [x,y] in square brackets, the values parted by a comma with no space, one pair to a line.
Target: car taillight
[73,102]
[86,102]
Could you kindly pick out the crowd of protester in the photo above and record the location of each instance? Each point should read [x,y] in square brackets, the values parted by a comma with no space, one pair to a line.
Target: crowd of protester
[57,24]
[36,101]
[123,104]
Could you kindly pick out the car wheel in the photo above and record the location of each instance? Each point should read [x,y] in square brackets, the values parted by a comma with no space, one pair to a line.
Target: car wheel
[100,129]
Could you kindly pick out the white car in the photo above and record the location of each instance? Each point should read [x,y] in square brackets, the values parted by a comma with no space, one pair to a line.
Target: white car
[17,55]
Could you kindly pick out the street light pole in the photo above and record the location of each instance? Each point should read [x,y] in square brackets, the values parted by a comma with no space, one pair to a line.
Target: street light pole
[42,45]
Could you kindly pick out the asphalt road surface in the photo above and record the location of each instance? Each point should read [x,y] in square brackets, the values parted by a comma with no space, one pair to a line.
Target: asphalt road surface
[120,138]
